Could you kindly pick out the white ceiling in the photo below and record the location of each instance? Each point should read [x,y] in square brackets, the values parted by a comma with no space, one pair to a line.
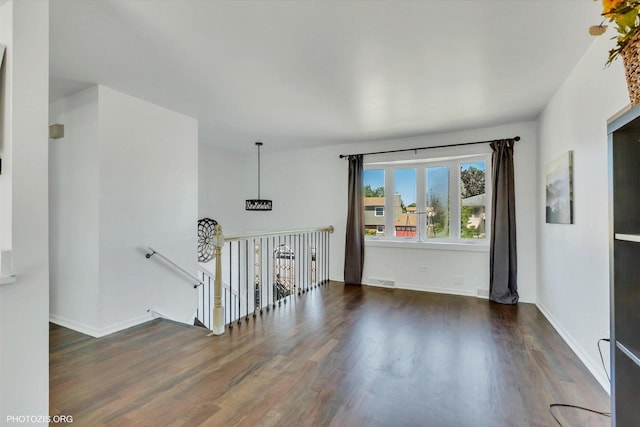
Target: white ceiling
[307,73]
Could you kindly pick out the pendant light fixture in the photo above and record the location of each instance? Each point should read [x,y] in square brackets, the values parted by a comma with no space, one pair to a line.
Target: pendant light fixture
[258,204]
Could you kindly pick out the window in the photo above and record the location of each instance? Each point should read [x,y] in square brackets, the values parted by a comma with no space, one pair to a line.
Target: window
[374,201]
[472,200]
[431,200]
[404,203]
[437,210]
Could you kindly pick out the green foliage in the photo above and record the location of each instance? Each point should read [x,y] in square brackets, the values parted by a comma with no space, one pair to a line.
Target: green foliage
[473,180]
[369,192]
[473,184]
[624,14]
[627,19]
[465,231]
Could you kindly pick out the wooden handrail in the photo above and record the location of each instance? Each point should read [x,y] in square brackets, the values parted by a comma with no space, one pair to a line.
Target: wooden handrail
[235,238]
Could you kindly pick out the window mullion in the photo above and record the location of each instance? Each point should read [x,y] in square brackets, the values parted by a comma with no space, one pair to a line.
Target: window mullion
[454,197]
[488,191]
[389,191]
[421,202]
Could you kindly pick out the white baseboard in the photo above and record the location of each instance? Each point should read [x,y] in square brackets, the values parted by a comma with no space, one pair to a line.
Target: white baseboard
[591,365]
[95,332]
[484,294]
[410,287]
[376,285]
[72,324]
[450,291]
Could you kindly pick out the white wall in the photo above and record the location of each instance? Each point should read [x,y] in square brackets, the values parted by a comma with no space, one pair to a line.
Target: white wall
[24,305]
[6,76]
[308,189]
[573,288]
[148,196]
[73,208]
[134,185]
[223,186]
[302,185]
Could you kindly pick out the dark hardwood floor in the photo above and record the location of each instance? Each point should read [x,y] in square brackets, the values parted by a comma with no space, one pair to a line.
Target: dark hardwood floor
[338,355]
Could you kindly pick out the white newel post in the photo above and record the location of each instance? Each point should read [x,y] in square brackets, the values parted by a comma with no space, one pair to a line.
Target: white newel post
[217,327]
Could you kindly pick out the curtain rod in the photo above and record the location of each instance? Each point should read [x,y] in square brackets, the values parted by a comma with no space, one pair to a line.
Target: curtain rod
[342,156]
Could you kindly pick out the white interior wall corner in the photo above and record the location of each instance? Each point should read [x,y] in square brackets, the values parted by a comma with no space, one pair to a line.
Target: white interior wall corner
[573,284]
[124,177]
[148,197]
[24,305]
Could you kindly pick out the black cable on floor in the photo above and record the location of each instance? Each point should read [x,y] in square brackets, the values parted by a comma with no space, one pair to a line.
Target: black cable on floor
[582,408]
[602,359]
[566,405]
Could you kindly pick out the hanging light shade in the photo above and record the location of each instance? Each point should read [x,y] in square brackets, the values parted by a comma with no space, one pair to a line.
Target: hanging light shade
[258,204]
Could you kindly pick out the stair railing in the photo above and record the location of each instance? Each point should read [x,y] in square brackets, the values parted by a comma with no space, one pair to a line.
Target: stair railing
[204,311]
[262,271]
[172,263]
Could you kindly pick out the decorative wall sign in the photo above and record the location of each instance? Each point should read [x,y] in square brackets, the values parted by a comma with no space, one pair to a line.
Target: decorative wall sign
[258,205]
[559,184]
[206,239]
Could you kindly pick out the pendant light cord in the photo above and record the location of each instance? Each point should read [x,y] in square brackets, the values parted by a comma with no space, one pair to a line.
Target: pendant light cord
[258,144]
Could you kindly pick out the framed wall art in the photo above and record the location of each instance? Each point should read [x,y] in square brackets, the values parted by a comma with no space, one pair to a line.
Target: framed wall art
[559,186]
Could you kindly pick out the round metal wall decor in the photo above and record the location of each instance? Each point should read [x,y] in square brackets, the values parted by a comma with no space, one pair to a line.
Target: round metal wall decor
[206,239]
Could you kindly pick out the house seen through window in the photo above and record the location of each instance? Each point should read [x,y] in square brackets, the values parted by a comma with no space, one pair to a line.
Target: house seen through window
[374,202]
[433,200]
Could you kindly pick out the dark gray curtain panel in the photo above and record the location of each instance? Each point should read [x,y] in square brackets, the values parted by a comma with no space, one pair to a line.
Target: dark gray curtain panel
[354,244]
[503,257]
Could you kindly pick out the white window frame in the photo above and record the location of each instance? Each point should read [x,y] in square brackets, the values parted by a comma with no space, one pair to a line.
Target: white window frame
[375,211]
[454,164]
